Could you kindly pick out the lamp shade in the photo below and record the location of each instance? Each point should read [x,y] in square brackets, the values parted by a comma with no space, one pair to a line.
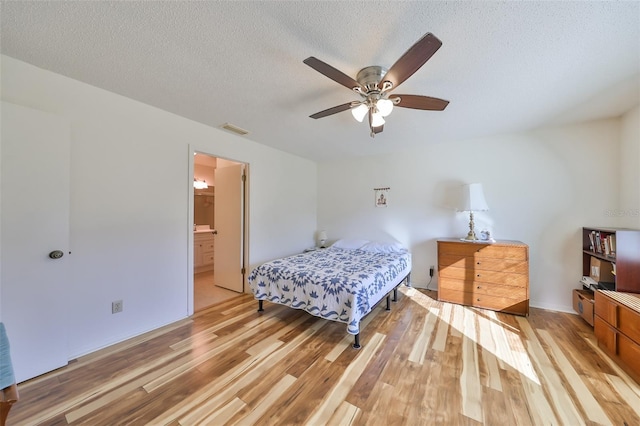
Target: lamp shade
[376,120]
[359,112]
[385,106]
[473,198]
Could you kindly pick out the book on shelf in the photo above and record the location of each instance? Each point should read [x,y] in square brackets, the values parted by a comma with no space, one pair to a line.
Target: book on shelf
[612,244]
[602,243]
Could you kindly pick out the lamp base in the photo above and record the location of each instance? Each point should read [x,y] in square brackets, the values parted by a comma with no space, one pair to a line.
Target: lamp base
[471,236]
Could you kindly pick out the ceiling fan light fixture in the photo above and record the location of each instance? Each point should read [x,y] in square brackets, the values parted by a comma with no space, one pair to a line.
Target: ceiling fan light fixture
[359,112]
[374,84]
[385,106]
[376,119]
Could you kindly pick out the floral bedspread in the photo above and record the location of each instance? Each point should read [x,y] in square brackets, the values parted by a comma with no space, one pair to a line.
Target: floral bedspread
[333,283]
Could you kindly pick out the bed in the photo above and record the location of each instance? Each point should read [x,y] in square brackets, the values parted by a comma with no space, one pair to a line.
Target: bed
[341,283]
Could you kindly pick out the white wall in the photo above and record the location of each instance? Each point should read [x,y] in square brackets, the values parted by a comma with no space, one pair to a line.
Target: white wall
[541,188]
[628,210]
[129,240]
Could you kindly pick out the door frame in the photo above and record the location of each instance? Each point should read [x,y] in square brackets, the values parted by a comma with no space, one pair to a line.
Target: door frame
[191,214]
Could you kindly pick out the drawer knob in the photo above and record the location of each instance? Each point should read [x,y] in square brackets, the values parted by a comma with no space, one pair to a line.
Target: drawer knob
[478,287]
[478,275]
[477,263]
[478,299]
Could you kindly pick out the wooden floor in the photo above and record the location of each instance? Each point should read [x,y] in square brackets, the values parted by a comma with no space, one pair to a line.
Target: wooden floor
[422,363]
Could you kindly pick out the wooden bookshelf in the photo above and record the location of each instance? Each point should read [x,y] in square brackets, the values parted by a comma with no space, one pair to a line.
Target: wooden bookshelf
[618,247]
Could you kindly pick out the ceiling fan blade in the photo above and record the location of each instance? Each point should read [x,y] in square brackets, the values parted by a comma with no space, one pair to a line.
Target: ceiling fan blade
[331,72]
[421,102]
[412,59]
[333,110]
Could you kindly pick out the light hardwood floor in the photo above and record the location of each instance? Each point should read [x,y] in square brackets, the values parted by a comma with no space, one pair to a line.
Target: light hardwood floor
[424,362]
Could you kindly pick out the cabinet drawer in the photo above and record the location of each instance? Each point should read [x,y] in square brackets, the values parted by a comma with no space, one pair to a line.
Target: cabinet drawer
[503,278]
[200,238]
[207,246]
[486,264]
[207,258]
[629,323]
[483,251]
[629,353]
[606,309]
[606,335]
[505,304]
[583,304]
[483,288]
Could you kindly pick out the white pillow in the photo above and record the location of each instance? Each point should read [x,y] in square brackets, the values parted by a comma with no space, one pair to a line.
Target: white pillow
[349,244]
[383,247]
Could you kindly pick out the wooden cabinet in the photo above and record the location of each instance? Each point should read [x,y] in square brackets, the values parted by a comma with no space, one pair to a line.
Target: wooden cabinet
[484,275]
[606,247]
[617,328]
[203,251]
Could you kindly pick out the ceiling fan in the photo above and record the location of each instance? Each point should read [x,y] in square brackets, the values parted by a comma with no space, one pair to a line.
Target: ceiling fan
[374,84]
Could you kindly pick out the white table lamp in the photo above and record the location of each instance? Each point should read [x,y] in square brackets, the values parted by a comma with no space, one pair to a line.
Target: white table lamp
[322,236]
[472,201]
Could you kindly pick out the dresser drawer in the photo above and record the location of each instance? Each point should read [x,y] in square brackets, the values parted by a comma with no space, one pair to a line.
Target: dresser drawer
[483,289]
[487,264]
[629,353]
[583,304]
[606,335]
[504,304]
[606,309]
[479,276]
[484,251]
[629,323]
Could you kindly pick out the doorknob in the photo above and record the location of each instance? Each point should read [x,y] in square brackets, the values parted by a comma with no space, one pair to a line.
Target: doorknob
[214,232]
[56,254]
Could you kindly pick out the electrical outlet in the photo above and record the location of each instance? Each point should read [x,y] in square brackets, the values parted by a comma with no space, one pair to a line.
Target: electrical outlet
[116,306]
[431,271]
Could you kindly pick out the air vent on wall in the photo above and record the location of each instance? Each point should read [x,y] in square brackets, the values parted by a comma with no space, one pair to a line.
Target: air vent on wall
[235,129]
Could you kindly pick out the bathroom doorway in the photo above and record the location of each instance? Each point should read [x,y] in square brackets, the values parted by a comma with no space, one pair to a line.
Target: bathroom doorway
[218,231]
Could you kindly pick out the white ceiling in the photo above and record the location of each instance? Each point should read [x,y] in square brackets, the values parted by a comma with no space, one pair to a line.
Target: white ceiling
[504,66]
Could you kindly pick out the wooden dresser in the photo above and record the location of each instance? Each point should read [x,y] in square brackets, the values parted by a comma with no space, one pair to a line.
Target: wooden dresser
[484,275]
[617,328]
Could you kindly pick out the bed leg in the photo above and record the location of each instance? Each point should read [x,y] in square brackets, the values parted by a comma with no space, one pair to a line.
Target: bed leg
[395,294]
[260,309]
[388,302]
[356,343]
[408,278]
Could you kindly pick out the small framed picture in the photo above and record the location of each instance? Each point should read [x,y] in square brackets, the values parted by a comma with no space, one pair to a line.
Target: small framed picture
[381,197]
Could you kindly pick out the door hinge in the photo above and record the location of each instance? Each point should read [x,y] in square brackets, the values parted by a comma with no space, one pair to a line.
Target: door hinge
[242,271]
[244,177]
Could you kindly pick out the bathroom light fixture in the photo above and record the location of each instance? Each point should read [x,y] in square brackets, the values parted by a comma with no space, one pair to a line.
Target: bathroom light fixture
[472,201]
[200,184]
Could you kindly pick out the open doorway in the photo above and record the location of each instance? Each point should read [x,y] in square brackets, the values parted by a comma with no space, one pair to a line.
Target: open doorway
[218,230]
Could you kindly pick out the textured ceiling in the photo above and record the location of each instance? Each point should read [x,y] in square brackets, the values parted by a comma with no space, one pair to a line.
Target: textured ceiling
[505,67]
